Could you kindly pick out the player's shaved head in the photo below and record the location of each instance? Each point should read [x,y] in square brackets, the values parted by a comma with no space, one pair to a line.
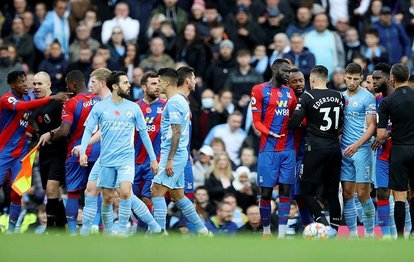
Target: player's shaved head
[42,84]
[43,77]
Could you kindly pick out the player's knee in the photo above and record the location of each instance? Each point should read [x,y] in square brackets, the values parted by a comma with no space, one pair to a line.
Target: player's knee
[400,195]
[284,190]
[107,198]
[156,191]
[347,194]
[266,193]
[52,190]
[124,195]
[147,201]
[383,193]
[92,190]
[363,195]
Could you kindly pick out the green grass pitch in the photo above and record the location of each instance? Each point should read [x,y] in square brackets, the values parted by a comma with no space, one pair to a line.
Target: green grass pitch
[195,249]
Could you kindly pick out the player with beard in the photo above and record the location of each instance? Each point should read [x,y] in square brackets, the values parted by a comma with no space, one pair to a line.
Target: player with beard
[323,109]
[117,119]
[272,104]
[151,106]
[297,83]
[382,88]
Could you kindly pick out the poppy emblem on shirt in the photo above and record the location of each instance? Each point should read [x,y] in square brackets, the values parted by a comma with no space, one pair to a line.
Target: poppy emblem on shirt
[40,119]
[279,94]
[117,113]
[47,118]
[148,110]
[347,102]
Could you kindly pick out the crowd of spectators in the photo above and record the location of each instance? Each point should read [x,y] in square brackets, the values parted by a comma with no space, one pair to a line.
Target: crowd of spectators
[230,44]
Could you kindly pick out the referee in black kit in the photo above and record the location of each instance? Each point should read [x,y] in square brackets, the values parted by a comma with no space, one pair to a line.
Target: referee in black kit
[52,156]
[399,108]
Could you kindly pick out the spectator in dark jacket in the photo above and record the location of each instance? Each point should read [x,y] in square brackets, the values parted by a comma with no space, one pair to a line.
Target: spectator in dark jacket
[55,65]
[22,41]
[221,223]
[352,45]
[192,50]
[242,79]
[373,52]
[393,37]
[300,56]
[303,23]
[243,31]
[217,73]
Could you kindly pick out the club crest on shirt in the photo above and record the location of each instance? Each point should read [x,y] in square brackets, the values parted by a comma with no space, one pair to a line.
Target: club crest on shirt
[159,110]
[355,104]
[11,100]
[128,114]
[288,95]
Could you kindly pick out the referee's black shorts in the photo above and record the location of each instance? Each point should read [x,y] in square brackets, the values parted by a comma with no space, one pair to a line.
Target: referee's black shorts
[52,167]
[322,166]
[401,167]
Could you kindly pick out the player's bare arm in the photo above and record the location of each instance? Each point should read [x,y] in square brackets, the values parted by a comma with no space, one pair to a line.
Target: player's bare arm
[62,131]
[175,139]
[94,139]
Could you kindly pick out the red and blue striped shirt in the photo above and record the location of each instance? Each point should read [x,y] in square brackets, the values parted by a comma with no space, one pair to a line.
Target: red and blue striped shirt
[14,123]
[271,108]
[75,112]
[152,114]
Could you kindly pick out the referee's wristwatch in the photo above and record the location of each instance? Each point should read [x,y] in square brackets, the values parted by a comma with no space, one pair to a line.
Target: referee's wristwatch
[52,134]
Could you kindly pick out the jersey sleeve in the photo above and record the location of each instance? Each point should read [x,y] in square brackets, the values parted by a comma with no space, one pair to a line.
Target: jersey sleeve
[68,112]
[11,103]
[140,123]
[292,106]
[175,113]
[257,106]
[90,124]
[383,114]
[370,105]
[300,112]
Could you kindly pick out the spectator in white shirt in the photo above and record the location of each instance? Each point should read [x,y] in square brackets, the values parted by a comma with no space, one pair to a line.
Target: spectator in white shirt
[130,27]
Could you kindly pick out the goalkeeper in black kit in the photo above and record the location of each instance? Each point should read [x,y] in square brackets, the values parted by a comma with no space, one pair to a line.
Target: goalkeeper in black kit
[323,110]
